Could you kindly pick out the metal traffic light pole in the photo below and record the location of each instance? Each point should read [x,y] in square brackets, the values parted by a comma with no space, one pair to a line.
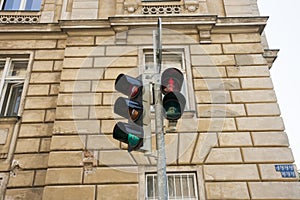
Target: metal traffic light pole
[159,127]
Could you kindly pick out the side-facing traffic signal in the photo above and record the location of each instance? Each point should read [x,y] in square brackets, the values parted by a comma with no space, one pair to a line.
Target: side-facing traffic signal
[131,108]
[173,101]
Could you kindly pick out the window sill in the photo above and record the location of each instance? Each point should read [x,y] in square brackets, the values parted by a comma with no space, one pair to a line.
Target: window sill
[9,119]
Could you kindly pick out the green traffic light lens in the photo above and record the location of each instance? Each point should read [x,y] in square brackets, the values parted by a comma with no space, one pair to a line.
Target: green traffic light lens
[173,110]
[133,140]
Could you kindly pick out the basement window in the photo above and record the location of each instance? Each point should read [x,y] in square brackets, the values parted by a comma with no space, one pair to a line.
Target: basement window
[181,186]
[13,73]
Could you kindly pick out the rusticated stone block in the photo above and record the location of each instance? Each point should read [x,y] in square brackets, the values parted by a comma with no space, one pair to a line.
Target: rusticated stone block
[213,60]
[223,190]
[212,96]
[209,72]
[250,59]
[81,112]
[28,145]
[112,175]
[230,172]
[224,155]
[21,179]
[40,102]
[256,83]
[77,127]
[253,96]
[45,77]
[68,142]
[246,37]
[275,190]
[206,49]
[242,48]
[217,84]
[263,109]
[124,192]
[121,51]
[32,161]
[248,71]
[33,116]
[86,192]
[75,86]
[115,157]
[26,193]
[49,54]
[37,90]
[84,51]
[85,62]
[220,110]
[64,176]
[36,130]
[237,139]
[65,159]
[270,139]
[82,74]
[260,124]
[268,155]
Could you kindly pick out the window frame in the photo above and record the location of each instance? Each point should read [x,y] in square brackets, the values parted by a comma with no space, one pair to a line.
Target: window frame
[15,81]
[22,6]
[190,109]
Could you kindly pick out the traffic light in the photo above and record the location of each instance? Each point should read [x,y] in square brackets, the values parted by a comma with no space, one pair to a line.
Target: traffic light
[131,133]
[173,101]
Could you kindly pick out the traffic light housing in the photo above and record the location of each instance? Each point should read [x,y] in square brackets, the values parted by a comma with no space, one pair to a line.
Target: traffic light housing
[131,108]
[173,101]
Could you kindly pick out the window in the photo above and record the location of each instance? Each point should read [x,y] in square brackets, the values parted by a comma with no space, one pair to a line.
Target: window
[12,76]
[26,5]
[174,58]
[180,186]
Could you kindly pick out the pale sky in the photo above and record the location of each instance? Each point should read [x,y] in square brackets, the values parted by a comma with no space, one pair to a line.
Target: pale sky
[283,32]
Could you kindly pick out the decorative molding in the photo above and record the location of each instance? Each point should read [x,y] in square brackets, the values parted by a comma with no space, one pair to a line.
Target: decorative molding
[19,19]
[130,6]
[270,55]
[121,34]
[161,9]
[191,5]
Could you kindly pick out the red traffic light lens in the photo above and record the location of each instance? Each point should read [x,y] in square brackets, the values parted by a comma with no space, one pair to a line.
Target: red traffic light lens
[134,91]
[171,80]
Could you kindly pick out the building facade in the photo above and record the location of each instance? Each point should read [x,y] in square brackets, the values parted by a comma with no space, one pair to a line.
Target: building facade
[58,63]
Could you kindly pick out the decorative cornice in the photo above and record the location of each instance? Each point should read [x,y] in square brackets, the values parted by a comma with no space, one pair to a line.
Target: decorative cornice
[204,24]
[29,28]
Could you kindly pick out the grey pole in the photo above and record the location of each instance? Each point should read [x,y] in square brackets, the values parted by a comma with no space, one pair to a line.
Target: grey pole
[159,125]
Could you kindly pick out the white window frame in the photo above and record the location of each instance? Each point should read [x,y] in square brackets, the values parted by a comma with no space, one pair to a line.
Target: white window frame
[5,80]
[181,186]
[187,88]
[21,8]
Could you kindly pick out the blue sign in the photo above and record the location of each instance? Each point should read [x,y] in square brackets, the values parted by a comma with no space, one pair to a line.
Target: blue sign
[287,171]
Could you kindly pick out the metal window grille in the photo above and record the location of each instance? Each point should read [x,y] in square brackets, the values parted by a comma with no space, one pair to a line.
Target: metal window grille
[12,77]
[181,186]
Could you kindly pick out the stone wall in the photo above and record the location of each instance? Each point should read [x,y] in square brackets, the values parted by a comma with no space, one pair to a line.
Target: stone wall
[61,147]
